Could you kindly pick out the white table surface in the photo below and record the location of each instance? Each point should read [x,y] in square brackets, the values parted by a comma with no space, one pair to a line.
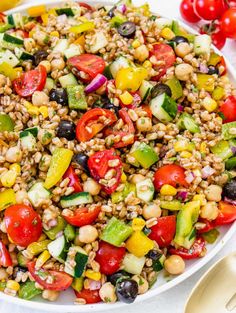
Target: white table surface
[173,300]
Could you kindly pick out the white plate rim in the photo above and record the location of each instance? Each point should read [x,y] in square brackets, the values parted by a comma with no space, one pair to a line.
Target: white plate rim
[49,307]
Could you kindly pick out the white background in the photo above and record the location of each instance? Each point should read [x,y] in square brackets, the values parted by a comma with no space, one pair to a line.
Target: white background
[172,301]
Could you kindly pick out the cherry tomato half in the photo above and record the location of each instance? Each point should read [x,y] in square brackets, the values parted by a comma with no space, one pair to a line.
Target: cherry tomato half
[165,54]
[217,36]
[23,224]
[60,280]
[164,231]
[187,11]
[109,257]
[86,6]
[74,179]
[92,122]
[5,257]
[82,216]
[194,252]
[209,9]
[228,23]
[90,296]
[228,110]
[171,174]
[99,165]
[88,63]
[30,81]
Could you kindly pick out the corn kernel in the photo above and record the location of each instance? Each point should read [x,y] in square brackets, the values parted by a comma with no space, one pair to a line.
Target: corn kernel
[126,98]
[11,284]
[93,275]
[203,147]
[200,198]
[44,111]
[168,190]
[44,18]
[15,167]
[31,33]
[167,33]
[209,104]
[136,43]
[138,224]
[123,177]
[185,154]
[8,178]
[147,64]
[183,145]
[32,110]
[54,34]
[43,257]
[80,41]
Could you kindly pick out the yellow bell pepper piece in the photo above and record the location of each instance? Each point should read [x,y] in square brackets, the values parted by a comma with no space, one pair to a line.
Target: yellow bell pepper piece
[8,178]
[44,256]
[78,29]
[44,18]
[52,12]
[80,41]
[60,161]
[93,275]
[209,104]
[7,70]
[55,34]
[36,248]
[126,98]
[130,78]
[136,43]
[44,111]
[138,224]
[37,11]
[167,33]
[7,198]
[200,198]
[205,81]
[168,190]
[218,93]
[123,177]
[139,244]
[185,154]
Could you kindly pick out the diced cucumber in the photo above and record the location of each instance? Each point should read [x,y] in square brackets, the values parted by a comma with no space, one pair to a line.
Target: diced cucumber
[173,205]
[159,264]
[133,264]
[69,232]
[80,257]
[229,130]
[163,22]
[28,141]
[16,19]
[107,72]
[120,62]
[222,149]
[59,248]
[230,163]
[76,97]
[202,45]
[186,121]
[175,87]
[23,55]
[61,46]
[145,190]
[38,193]
[10,42]
[100,41]
[50,84]
[68,80]
[32,130]
[76,199]
[163,108]
[66,11]
[52,232]
[145,89]
[73,50]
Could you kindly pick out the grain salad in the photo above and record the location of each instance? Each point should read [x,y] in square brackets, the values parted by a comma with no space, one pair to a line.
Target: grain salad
[117,150]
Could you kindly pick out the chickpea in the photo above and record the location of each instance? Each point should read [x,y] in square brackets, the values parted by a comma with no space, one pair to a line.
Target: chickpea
[183,49]
[21,195]
[174,265]
[58,64]
[88,234]
[141,53]
[40,98]
[136,178]
[13,155]
[209,211]
[40,37]
[143,285]
[151,210]
[213,193]
[107,293]
[45,136]
[144,124]
[50,295]
[46,64]
[183,71]
[91,186]
[3,274]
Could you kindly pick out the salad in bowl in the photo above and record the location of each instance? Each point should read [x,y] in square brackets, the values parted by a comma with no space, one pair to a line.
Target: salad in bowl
[117,150]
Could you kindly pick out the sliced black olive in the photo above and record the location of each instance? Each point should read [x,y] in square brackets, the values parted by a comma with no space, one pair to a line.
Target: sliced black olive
[229,190]
[127,290]
[40,56]
[213,70]
[59,95]
[178,39]
[111,12]
[159,89]
[118,275]
[127,29]
[66,129]
[107,104]
[154,255]
[82,160]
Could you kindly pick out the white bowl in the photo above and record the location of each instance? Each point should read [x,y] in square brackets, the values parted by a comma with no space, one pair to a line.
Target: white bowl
[65,303]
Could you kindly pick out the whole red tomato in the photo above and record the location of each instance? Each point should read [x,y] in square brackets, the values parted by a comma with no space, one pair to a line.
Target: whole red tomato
[217,35]
[228,23]
[228,110]
[187,11]
[209,9]
[164,231]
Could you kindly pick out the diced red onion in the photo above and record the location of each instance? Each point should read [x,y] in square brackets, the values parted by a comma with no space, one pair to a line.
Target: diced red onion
[203,68]
[180,108]
[182,195]
[96,83]
[189,178]
[94,285]
[230,201]
[207,171]
[233,149]
[122,8]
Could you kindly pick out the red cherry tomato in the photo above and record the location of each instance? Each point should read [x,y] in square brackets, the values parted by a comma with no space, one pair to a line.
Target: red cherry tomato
[88,63]
[60,280]
[22,33]
[147,109]
[228,110]
[165,54]
[164,231]
[2,17]
[223,63]
[171,174]
[130,130]
[5,257]
[23,224]
[74,179]
[86,6]
[194,252]
[30,81]
[208,226]
[187,11]
[90,296]
[228,23]
[82,216]
[92,122]
[136,101]
[109,257]
[209,9]
[217,36]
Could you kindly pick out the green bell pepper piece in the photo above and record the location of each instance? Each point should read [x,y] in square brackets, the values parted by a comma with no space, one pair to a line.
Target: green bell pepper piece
[179,31]
[78,284]
[7,198]
[211,235]
[230,163]
[69,232]
[175,87]
[6,123]
[116,232]
[3,285]
[144,154]
[52,233]
[28,290]
[117,20]
[218,93]
[119,196]
[214,59]
[36,248]
[173,205]
[223,149]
